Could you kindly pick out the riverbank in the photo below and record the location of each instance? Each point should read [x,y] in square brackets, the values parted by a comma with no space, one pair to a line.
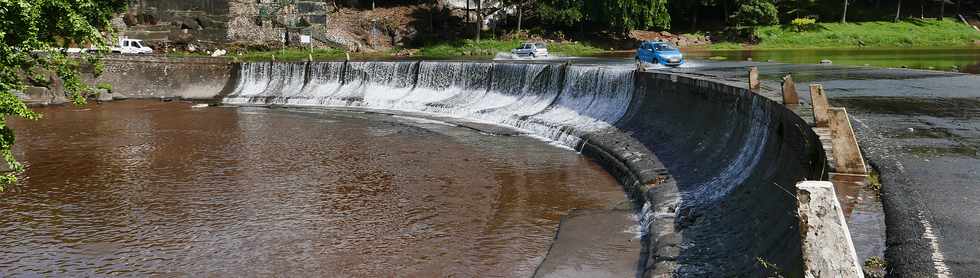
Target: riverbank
[917,33]
[966,60]
[925,34]
[463,49]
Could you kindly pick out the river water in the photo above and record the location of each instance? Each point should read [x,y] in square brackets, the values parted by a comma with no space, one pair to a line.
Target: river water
[159,188]
[943,59]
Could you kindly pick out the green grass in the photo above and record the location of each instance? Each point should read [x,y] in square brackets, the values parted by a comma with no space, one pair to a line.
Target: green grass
[289,55]
[908,33]
[490,48]
[464,49]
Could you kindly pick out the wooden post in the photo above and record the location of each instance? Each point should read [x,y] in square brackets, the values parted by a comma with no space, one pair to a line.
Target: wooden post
[820,105]
[847,154]
[789,91]
[754,78]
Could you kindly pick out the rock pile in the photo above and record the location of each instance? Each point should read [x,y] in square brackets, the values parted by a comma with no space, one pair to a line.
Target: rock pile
[681,40]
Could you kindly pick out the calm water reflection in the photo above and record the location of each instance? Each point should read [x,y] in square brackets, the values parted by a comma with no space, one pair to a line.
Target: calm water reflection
[142,188]
[945,59]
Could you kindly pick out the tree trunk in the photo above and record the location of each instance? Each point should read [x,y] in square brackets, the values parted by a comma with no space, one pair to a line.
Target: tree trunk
[520,18]
[898,11]
[922,9]
[843,18]
[942,9]
[694,19]
[432,10]
[479,19]
[724,9]
[799,9]
[467,20]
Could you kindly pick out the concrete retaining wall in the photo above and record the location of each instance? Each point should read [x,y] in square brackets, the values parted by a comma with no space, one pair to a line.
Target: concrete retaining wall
[150,77]
[163,77]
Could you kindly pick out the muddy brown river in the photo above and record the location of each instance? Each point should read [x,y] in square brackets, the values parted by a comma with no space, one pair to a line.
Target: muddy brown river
[140,188]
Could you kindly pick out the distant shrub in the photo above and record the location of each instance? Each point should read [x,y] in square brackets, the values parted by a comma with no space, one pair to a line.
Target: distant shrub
[104,86]
[755,13]
[804,24]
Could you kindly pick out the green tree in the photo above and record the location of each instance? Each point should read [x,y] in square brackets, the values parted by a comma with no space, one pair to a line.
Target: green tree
[617,15]
[755,13]
[561,12]
[626,15]
[30,30]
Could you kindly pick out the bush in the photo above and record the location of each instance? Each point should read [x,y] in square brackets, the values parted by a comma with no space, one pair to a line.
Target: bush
[104,86]
[755,13]
[804,24]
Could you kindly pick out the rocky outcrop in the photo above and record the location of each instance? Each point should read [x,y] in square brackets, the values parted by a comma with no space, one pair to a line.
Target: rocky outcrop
[682,40]
[35,96]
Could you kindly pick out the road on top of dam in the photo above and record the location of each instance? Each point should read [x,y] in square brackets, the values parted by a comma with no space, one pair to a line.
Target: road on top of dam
[921,131]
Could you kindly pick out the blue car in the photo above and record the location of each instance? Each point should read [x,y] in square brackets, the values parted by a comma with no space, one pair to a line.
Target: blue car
[663,53]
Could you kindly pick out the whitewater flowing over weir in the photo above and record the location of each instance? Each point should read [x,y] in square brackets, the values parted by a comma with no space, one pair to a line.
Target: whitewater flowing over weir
[560,102]
[712,165]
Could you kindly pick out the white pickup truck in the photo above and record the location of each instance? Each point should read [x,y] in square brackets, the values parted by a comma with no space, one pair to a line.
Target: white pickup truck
[124,46]
[131,46]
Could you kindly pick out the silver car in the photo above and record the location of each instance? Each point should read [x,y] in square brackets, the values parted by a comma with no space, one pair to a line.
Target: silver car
[532,50]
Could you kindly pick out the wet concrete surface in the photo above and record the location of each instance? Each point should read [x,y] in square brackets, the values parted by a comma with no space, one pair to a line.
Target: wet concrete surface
[583,247]
[921,130]
[148,188]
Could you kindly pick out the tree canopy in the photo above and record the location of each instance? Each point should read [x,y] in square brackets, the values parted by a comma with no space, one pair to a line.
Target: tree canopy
[31,32]
[755,12]
[617,15]
[694,15]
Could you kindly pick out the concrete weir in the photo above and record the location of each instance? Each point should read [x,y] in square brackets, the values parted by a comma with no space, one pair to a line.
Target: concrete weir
[711,167]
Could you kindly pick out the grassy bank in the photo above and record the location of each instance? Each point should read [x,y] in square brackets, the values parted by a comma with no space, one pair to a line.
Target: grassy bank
[465,49]
[291,55]
[490,48]
[908,33]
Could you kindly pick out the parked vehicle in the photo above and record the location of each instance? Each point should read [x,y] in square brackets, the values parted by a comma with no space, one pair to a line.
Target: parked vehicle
[532,50]
[131,46]
[123,46]
[663,53]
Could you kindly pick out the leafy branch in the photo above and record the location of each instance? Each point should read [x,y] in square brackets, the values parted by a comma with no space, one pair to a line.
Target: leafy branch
[33,32]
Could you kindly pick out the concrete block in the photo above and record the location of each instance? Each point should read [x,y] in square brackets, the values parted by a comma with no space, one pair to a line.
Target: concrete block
[42,96]
[754,83]
[789,91]
[827,247]
[847,154]
[103,95]
[820,105]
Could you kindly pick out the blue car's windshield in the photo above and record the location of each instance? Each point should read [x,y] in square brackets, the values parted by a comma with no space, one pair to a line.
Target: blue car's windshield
[665,47]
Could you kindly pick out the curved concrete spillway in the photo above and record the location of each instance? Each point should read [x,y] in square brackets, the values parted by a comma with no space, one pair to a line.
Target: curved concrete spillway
[712,165]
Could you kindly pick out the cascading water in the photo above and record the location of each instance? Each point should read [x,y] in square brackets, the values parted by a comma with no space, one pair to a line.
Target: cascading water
[558,102]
